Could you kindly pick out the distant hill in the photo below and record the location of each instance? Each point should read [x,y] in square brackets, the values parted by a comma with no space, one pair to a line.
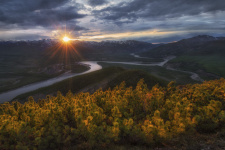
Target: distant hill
[202,44]
[21,47]
[105,50]
[130,46]
[202,54]
[52,51]
[26,53]
[210,48]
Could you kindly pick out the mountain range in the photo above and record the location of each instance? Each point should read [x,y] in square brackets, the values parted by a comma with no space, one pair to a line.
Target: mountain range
[202,44]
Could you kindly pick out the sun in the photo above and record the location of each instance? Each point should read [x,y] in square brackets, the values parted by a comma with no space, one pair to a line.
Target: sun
[66,39]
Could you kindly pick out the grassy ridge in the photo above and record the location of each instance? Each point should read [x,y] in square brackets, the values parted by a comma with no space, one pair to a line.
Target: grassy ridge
[131,77]
[202,54]
[160,72]
[212,63]
[75,83]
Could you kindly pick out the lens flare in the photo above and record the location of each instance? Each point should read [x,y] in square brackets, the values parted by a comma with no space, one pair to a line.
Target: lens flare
[66,39]
[65,50]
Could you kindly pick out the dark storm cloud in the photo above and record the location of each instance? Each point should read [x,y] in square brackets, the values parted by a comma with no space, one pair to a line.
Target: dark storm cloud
[97,2]
[157,9]
[45,13]
[27,6]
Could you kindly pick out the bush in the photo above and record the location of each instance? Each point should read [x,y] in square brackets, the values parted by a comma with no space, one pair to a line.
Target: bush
[122,115]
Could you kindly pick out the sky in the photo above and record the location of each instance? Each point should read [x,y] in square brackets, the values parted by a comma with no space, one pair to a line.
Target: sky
[152,21]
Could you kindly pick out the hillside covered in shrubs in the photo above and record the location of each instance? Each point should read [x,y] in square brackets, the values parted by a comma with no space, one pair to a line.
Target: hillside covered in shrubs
[120,116]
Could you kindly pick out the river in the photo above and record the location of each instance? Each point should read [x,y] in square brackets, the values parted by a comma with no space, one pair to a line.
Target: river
[193,75]
[7,96]
[94,66]
[140,63]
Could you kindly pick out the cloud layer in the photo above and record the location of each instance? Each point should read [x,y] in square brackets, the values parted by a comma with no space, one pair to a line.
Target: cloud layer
[37,13]
[158,9]
[97,2]
[91,18]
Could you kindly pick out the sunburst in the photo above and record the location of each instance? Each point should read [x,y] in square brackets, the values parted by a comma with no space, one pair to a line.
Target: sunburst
[64,51]
[66,39]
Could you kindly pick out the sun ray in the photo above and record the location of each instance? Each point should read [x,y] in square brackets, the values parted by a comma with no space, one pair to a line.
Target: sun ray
[65,49]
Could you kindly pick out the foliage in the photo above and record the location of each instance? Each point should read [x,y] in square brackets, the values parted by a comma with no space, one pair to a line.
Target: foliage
[120,116]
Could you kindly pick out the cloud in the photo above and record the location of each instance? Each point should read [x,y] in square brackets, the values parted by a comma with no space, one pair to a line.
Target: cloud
[90,17]
[27,34]
[157,9]
[25,13]
[97,2]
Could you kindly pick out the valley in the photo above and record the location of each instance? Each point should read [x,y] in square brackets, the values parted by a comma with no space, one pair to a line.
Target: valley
[93,66]
[53,68]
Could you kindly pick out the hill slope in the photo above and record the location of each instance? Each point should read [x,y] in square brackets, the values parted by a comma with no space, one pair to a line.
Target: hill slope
[73,84]
[170,117]
[105,78]
[131,77]
[201,54]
